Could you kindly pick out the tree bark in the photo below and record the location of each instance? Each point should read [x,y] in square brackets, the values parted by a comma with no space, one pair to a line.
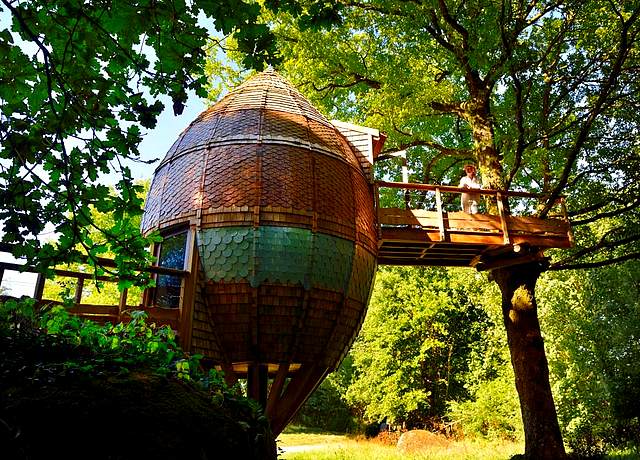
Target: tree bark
[542,433]
[478,116]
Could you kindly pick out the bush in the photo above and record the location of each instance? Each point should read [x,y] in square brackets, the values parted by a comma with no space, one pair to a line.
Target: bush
[493,413]
[85,347]
[60,374]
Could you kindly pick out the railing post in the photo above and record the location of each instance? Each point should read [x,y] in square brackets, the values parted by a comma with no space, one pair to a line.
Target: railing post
[188,290]
[376,199]
[39,289]
[77,298]
[440,215]
[503,218]
[565,217]
[122,304]
[405,179]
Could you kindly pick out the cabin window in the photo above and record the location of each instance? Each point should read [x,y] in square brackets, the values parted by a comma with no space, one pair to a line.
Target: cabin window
[172,254]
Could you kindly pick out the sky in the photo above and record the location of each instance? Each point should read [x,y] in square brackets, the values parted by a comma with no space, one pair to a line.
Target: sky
[156,142]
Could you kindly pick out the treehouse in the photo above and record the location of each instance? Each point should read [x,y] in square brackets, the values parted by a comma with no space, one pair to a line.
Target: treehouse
[273,227]
[270,209]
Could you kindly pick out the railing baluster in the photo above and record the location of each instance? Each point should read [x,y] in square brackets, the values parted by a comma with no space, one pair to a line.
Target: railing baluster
[77,298]
[39,289]
[503,218]
[122,304]
[440,215]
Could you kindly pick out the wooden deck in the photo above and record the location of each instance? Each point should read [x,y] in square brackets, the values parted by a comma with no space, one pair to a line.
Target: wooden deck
[444,238]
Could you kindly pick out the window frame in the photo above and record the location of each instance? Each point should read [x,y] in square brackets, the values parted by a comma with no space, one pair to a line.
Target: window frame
[167,233]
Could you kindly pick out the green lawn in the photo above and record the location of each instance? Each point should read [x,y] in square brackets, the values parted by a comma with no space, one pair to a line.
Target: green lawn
[304,444]
[298,445]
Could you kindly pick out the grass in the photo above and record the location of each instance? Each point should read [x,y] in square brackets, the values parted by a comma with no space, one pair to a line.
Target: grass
[307,444]
[301,444]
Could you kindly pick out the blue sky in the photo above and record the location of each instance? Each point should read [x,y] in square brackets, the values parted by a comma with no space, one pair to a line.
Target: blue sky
[157,142]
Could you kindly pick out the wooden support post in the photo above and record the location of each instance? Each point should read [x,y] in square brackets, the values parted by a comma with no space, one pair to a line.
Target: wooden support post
[1,275]
[302,384]
[503,218]
[77,298]
[276,388]
[405,179]
[122,304]
[39,289]
[188,290]
[440,215]
[257,382]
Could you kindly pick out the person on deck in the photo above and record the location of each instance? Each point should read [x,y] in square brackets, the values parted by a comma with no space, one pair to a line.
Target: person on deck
[470,180]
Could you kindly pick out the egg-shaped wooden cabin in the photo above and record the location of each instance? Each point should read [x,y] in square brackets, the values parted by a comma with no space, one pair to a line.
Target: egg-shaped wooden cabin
[269,207]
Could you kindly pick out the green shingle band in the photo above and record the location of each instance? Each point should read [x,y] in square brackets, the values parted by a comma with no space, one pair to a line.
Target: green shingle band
[284,255]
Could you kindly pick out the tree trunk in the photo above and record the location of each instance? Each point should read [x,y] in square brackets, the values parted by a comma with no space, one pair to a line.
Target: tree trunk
[520,312]
[478,116]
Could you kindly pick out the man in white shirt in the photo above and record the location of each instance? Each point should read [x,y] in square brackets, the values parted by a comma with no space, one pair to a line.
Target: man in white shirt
[470,200]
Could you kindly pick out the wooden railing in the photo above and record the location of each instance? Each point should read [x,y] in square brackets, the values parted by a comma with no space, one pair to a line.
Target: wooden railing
[435,212]
[100,312]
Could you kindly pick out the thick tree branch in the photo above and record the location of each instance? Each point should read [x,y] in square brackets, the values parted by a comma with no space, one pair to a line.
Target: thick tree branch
[444,107]
[446,151]
[464,33]
[357,79]
[601,263]
[603,243]
[604,215]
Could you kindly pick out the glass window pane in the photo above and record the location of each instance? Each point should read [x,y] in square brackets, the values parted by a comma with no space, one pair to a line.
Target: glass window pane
[172,251]
[172,255]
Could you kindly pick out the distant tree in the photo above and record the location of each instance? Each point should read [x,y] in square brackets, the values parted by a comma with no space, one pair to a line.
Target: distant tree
[413,352]
[592,325]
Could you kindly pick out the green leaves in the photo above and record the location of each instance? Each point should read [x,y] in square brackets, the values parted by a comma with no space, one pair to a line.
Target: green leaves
[413,352]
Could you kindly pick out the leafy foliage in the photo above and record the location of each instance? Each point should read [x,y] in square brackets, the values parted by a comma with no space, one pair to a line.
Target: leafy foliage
[60,374]
[413,353]
[90,348]
[592,324]
[327,409]
[492,412]
[96,292]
